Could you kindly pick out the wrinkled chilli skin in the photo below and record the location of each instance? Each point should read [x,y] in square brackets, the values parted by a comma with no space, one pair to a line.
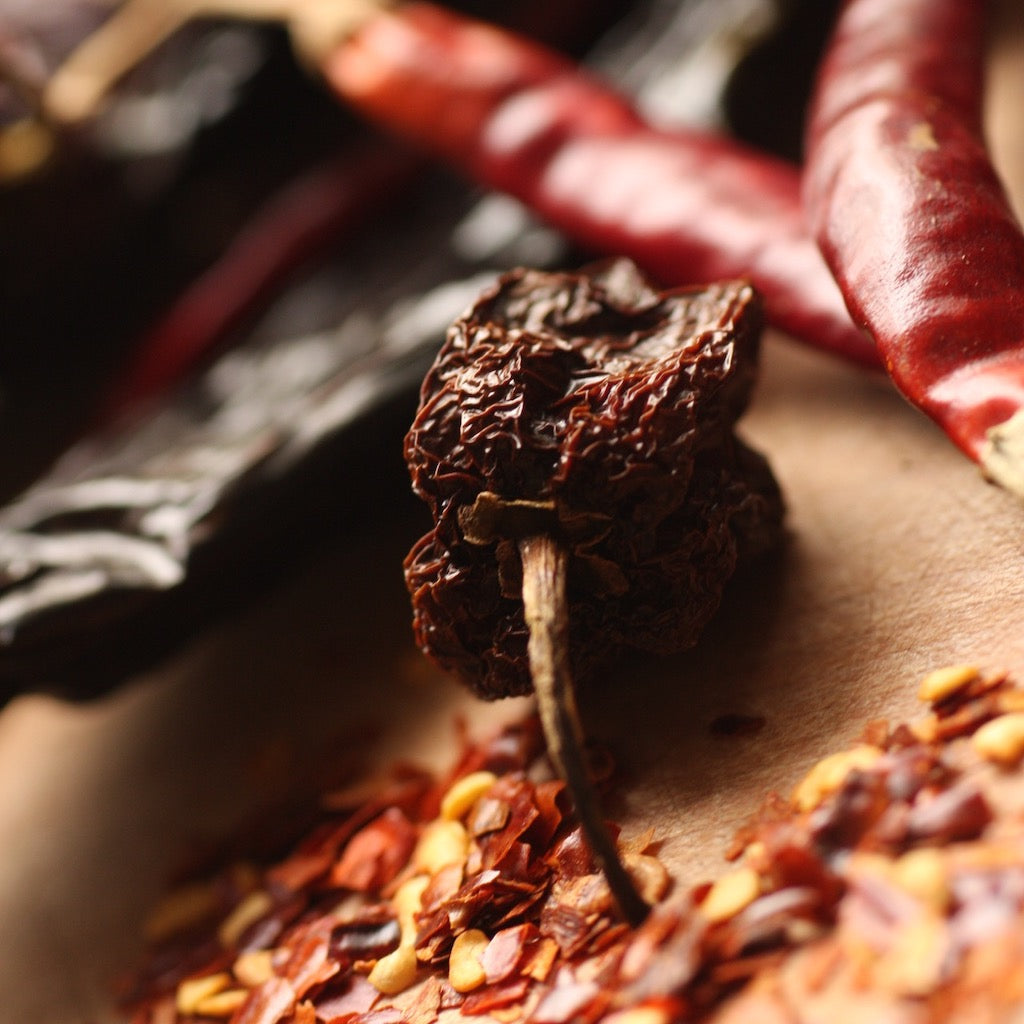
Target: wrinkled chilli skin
[612,406]
[687,207]
[911,216]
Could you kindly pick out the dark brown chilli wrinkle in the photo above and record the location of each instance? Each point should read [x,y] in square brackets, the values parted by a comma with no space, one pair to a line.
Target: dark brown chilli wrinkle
[617,404]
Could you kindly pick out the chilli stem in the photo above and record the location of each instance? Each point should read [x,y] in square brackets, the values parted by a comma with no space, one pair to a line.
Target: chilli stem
[545,562]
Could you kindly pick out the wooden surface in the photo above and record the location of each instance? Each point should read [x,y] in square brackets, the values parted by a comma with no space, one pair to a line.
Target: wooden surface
[899,559]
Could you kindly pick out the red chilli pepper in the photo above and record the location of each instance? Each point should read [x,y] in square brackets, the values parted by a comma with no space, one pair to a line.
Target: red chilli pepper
[914,222]
[514,116]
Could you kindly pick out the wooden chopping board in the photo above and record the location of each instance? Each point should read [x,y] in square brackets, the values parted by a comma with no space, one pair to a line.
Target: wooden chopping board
[899,559]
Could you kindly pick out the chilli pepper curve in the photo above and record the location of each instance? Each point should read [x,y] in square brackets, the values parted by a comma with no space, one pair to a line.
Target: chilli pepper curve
[914,222]
[688,207]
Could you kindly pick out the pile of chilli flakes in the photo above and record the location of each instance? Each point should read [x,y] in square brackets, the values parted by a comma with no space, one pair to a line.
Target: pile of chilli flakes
[888,887]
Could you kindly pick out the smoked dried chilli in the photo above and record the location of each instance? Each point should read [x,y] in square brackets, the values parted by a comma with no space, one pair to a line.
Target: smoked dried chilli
[603,412]
[514,116]
[914,222]
[575,437]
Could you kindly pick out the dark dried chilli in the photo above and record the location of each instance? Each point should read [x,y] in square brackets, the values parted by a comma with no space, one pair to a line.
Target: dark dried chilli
[593,408]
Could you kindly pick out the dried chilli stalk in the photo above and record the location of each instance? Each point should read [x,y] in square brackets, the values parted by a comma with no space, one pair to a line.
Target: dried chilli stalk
[574,443]
[545,566]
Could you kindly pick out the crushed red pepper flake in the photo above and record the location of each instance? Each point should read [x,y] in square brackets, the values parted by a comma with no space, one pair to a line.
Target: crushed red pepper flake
[355,998]
[897,887]
[375,854]
[506,950]
[503,994]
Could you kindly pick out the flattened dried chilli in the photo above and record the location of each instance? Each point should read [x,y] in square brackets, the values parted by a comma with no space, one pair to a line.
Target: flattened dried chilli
[575,444]
[687,207]
[914,222]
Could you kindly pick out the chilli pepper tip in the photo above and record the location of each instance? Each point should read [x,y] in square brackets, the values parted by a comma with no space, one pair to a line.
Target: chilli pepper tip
[1002,455]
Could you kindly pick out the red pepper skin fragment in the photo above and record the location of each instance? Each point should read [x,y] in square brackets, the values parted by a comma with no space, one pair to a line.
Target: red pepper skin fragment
[910,214]
[610,407]
[687,207]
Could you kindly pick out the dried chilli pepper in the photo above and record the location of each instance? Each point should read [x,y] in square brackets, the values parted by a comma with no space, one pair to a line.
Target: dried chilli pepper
[514,116]
[575,445]
[914,222]
[686,206]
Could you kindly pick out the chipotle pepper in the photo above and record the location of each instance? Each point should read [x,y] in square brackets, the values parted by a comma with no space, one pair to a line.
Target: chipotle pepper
[914,221]
[575,445]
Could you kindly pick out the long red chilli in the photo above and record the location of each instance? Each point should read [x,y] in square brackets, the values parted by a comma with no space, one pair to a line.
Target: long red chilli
[514,116]
[914,222]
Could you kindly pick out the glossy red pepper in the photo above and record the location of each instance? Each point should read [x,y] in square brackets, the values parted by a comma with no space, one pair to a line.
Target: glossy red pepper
[688,207]
[914,222]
